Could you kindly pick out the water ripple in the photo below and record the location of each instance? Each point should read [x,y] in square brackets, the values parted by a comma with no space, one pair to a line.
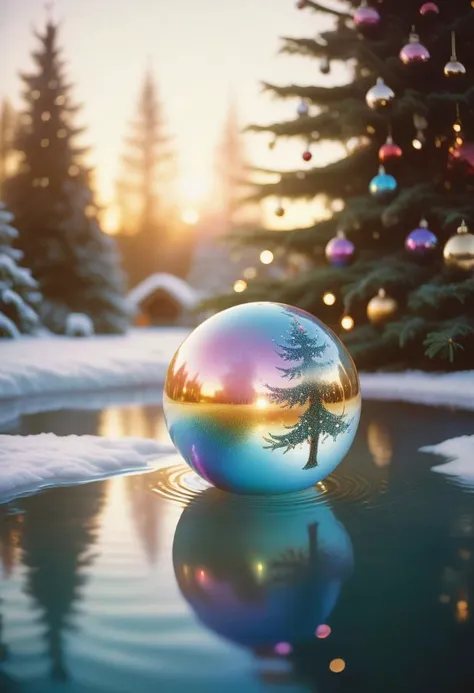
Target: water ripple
[179,484]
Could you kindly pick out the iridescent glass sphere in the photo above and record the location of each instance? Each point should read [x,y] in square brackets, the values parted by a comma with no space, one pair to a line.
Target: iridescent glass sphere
[264,573]
[262,398]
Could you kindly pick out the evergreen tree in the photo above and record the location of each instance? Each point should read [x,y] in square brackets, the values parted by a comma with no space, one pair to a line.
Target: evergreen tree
[436,303]
[148,216]
[74,262]
[18,290]
[317,420]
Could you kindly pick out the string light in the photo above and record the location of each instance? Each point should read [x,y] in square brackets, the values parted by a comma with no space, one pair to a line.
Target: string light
[240,286]
[46,116]
[337,665]
[60,100]
[417,144]
[44,182]
[329,299]
[62,133]
[266,257]
[347,323]
[45,142]
[250,273]
[35,94]
[73,170]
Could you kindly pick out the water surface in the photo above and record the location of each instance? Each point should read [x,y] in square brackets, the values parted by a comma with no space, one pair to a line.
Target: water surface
[152,583]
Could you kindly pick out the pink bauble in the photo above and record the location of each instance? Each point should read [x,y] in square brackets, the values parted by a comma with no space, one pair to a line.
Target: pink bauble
[366,17]
[429,8]
[414,52]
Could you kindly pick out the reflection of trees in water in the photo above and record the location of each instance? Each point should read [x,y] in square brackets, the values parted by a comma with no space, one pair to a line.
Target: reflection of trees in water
[59,528]
[306,353]
[237,384]
[293,565]
[180,387]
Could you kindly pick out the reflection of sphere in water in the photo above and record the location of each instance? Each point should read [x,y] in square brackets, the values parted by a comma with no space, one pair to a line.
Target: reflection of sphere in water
[259,571]
[262,398]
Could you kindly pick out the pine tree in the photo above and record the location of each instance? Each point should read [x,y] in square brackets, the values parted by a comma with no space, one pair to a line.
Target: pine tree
[435,320]
[317,420]
[148,216]
[75,264]
[18,290]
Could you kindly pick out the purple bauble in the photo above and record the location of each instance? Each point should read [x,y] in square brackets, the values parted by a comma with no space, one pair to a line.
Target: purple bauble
[340,250]
[366,17]
[421,242]
[414,51]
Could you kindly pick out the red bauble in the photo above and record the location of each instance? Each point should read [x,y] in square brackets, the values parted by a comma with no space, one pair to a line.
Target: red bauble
[307,156]
[366,17]
[429,8]
[389,151]
[461,159]
[280,212]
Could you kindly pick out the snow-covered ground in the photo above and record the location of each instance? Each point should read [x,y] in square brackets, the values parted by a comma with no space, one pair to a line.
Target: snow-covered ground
[459,453]
[52,373]
[31,463]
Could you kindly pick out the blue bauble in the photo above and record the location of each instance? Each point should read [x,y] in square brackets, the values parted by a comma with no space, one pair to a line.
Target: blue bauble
[262,398]
[421,242]
[262,573]
[383,184]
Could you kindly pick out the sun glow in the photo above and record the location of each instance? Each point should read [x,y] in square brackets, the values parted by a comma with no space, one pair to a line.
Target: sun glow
[194,189]
[190,216]
[262,403]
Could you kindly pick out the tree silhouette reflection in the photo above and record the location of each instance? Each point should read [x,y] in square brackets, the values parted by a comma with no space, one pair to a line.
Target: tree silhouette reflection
[260,572]
[59,529]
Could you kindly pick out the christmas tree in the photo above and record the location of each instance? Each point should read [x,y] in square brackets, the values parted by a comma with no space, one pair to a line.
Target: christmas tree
[317,420]
[18,290]
[74,262]
[149,240]
[417,122]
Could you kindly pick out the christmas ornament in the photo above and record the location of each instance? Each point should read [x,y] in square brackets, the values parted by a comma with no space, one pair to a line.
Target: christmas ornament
[340,250]
[380,96]
[429,8]
[262,398]
[383,185]
[280,211]
[459,250]
[264,574]
[366,17]
[461,158]
[454,68]
[307,156]
[389,151]
[414,51]
[325,66]
[421,241]
[302,109]
[381,308]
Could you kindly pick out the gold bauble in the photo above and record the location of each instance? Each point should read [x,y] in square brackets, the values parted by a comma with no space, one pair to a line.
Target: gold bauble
[380,96]
[459,250]
[454,68]
[381,308]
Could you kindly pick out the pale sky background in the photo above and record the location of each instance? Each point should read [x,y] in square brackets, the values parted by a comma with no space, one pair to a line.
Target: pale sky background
[203,52]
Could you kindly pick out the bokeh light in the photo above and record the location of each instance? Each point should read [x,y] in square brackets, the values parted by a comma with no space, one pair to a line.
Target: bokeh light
[266,257]
[329,299]
[337,665]
[347,323]
[240,286]
[250,273]
[323,631]
[283,648]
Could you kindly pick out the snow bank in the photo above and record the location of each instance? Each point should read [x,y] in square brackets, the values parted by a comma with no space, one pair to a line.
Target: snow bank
[460,455]
[31,463]
[31,367]
[434,389]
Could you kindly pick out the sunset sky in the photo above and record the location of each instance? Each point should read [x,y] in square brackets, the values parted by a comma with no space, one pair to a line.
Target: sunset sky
[204,52]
